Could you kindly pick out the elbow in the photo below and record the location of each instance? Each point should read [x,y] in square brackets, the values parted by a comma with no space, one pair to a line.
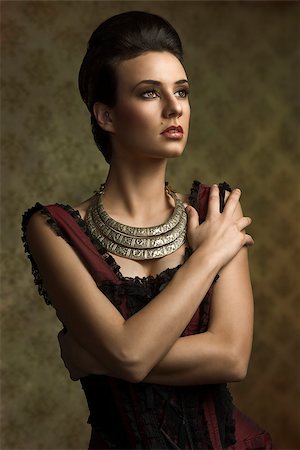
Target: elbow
[239,372]
[238,367]
[129,367]
[133,375]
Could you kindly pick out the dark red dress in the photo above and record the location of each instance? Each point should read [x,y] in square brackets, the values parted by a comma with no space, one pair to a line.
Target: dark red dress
[126,415]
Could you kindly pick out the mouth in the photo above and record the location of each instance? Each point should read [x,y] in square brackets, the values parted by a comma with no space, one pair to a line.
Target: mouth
[173,132]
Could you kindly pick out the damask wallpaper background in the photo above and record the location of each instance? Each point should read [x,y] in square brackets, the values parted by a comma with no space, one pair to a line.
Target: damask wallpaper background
[241,58]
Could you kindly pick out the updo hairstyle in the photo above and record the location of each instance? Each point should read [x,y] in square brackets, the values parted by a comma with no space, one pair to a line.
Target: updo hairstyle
[121,37]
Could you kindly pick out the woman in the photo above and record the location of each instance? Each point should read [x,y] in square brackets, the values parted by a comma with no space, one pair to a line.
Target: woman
[157,313]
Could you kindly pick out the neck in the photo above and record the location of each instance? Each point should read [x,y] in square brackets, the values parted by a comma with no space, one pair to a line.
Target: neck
[136,192]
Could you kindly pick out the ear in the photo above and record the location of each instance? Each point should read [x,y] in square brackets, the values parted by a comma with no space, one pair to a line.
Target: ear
[103,115]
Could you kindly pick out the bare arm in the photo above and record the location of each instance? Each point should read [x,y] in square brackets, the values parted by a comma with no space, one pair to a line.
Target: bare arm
[222,353]
[219,355]
[129,348]
[132,348]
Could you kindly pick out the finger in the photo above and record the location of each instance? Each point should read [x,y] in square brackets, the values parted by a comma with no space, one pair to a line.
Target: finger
[243,222]
[193,217]
[213,201]
[232,201]
[248,240]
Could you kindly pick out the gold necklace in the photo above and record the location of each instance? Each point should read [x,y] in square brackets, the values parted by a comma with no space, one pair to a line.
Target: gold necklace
[137,242]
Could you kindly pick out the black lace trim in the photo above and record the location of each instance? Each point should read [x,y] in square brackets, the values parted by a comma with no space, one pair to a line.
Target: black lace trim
[223,187]
[139,290]
[224,410]
[59,232]
[196,185]
[157,416]
[109,259]
[38,207]
[161,278]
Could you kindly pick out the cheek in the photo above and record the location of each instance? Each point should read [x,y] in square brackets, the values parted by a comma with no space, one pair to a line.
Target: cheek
[136,116]
[188,112]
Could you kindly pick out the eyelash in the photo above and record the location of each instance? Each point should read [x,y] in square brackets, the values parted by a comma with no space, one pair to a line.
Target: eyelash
[153,91]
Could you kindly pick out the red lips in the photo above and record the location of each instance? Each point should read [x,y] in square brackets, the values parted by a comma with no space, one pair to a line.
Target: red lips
[177,129]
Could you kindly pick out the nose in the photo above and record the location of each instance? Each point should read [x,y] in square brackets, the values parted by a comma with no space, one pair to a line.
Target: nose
[172,107]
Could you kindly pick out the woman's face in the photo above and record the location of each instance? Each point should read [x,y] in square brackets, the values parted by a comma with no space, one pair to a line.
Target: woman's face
[152,95]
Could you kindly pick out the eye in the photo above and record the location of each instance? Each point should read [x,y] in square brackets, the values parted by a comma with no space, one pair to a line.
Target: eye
[151,93]
[182,93]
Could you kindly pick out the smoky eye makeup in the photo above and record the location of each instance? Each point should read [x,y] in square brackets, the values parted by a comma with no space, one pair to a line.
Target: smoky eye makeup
[185,90]
[153,84]
[149,93]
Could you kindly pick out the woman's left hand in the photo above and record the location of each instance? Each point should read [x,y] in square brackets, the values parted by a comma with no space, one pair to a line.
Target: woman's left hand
[76,359]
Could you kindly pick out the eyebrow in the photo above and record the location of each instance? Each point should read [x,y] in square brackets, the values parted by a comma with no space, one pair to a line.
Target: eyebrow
[158,83]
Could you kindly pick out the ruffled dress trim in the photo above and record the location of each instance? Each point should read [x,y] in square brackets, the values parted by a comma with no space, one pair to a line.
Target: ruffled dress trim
[144,281]
[38,207]
[168,416]
[34,268]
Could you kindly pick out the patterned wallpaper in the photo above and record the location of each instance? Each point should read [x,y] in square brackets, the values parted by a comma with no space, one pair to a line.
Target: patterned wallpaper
[241,61]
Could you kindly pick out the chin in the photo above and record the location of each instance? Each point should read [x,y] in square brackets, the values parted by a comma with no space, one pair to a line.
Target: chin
[173,150]
[174,154]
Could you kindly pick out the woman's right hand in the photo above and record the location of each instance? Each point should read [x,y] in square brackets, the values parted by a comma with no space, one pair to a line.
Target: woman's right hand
[221,235]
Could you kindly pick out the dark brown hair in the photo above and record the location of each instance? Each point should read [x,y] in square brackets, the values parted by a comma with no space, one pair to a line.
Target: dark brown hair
[120,37]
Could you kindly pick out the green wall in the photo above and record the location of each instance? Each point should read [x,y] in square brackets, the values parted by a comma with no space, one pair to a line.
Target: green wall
[241,61]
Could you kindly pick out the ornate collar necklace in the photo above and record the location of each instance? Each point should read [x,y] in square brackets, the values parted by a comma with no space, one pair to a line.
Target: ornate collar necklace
[137,242]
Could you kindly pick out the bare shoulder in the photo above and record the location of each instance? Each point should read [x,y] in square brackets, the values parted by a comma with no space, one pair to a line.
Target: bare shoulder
[36,223]
[36,226]
[40,236]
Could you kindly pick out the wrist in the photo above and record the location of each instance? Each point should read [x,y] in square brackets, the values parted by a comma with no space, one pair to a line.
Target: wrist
[208,258]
